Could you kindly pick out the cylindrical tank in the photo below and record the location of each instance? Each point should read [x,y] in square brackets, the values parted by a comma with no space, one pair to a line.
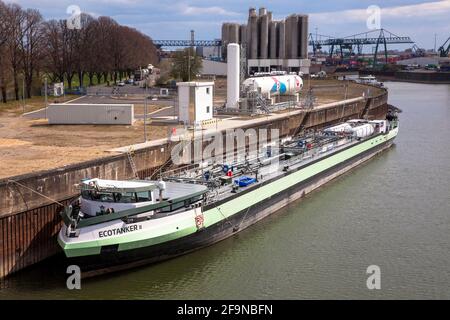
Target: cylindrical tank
[254,37]
[362,131]
[343,127]
[262,11]
[225,39]
[233,68]
[251,13]
[233,33]
[303,33]
[282,40]
[264,37]
[293,37]
[243,34]
[273,40]
[275,85]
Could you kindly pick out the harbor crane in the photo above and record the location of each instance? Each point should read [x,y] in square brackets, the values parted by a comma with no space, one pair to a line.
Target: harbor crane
[379,37]
[443,52]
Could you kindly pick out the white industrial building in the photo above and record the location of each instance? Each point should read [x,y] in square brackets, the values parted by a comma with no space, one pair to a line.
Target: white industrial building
[195,102]
[68,113]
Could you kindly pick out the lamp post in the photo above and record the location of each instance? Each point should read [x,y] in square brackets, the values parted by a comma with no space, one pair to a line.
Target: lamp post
[23,93]
[145,113]
[46,101]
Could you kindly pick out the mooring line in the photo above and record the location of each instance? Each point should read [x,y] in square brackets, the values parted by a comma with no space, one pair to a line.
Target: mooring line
[38,193]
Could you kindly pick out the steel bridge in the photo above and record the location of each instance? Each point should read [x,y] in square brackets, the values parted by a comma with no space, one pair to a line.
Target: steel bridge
[188,43]
[358,41]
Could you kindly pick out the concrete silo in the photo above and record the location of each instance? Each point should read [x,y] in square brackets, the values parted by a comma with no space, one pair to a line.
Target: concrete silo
[233,31]
[253,36]
[225,39]
[293,36]
[273,41]
[243,34]
[264,37]
[303,53]
[282,40]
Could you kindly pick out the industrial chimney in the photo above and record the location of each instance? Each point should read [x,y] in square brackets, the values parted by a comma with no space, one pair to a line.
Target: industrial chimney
[233,75]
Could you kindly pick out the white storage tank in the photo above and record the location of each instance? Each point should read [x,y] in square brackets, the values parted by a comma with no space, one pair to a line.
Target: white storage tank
[233,67]
[343,127]
[363,131]
[275,85]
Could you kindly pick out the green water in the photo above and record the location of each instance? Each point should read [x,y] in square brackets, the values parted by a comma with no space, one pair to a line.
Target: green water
[393,212]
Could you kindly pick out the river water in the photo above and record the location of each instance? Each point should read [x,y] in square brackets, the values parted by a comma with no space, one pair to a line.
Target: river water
[393,212]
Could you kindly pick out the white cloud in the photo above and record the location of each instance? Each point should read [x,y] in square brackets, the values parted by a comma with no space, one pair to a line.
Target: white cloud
[427,9]
[191,11]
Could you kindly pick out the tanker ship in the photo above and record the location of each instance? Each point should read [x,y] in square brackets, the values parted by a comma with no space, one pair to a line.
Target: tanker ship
[115,225]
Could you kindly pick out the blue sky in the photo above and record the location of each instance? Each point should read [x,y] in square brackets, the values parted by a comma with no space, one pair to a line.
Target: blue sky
[160,19]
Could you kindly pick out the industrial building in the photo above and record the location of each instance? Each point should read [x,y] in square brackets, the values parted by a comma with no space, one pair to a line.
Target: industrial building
[261,94]
[269,44]
[104,114]
[195,102]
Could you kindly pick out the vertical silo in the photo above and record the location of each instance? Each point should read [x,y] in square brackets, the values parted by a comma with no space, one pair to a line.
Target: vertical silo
[243,34]
[253,36]
[287,37]
[233,68]
[262,11]
[224,39]
[273,40]
[233,33]
[303,53]
[293,37]
[251,12]
[264,37]
[282,40]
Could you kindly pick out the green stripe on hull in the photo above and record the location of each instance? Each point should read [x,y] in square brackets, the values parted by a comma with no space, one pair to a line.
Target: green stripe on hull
[187,226]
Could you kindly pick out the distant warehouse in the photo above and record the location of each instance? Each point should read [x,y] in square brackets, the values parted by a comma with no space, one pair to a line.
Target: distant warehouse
[91,114]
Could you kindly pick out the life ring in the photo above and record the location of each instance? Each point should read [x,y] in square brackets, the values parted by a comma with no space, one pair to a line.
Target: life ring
[199,221]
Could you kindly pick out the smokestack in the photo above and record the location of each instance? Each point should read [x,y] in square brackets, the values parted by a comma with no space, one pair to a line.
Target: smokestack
[233,68]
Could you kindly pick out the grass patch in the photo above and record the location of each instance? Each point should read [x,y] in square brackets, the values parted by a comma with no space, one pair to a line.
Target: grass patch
[35,103]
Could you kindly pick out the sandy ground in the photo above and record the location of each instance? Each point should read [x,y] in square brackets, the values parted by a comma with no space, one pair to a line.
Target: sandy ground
[28,145]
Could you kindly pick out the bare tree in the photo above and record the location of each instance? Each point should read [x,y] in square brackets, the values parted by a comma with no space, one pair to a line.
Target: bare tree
[3,40]
[15,19]
[54,62]
[30,46]
[101,47]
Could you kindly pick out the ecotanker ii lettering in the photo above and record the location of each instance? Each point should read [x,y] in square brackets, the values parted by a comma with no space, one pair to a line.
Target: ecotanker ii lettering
[118,231]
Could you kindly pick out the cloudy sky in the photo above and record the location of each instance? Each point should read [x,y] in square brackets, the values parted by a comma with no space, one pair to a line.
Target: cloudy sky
[162,19]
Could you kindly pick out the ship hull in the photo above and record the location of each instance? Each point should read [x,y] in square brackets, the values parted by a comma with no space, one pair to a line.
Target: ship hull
[111,259]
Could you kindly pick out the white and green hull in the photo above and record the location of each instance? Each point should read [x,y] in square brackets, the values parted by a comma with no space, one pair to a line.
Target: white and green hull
[159,239]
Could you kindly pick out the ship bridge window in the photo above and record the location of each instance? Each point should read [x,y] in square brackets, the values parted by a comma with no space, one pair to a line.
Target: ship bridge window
[119,197]
[144,196]
[125,197]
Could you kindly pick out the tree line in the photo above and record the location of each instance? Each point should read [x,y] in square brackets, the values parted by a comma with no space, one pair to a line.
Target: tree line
[100,48]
